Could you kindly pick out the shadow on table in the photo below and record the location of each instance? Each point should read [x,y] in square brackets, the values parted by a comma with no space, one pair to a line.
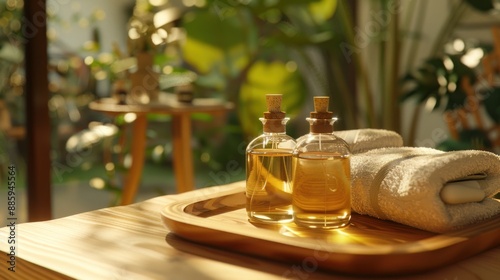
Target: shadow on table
[283,270]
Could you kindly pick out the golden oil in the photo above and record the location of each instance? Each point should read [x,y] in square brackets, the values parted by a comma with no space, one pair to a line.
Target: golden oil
[321,190]
[269,190]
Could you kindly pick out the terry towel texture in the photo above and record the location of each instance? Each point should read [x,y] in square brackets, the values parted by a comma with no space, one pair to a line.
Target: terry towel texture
[403,185]
[362,140]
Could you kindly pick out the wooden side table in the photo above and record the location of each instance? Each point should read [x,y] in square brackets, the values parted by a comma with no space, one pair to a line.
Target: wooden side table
[181,133]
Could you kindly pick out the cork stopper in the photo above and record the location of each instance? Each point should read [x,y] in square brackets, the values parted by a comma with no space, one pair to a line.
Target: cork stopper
[321,120]
[273,102]
[321,108]
[274,117]
[321,103]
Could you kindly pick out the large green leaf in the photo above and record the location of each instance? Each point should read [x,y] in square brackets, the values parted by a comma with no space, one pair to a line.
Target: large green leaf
[481,5]
[477,139]
[201,55]
[437,78]
[207,58]
[220,31]
[264,78]
[492,103]
[453,145]
[217,44]
[262,6]
[468,139]
[322,10]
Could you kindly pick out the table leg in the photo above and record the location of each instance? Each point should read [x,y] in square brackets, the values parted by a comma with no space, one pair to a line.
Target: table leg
[137,149]
[182,153]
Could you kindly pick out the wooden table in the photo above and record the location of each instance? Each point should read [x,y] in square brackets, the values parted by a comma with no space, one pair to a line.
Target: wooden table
[181,134]
[131,242]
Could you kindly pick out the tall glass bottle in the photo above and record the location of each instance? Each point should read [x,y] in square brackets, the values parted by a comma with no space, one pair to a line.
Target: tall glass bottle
[321,173]
[268,168]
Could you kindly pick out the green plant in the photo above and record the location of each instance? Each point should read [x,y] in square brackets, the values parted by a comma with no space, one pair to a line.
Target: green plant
[251,48]
[11,57]
[440,78]
[438,55]
[322,46]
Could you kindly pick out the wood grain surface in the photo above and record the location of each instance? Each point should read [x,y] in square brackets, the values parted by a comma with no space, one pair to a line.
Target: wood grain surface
[369,246]
[131,242]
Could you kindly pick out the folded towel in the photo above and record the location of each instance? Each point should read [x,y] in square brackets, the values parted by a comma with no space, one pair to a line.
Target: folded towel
[405,184]
[362,140]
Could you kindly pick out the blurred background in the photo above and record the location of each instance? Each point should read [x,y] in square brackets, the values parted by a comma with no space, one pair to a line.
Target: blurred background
[426,69]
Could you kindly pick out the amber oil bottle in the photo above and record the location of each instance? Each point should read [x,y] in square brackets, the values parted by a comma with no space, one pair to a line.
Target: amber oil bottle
[268,168]
[321,173]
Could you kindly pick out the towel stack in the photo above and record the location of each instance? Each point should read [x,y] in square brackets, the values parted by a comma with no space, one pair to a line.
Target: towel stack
[421,187]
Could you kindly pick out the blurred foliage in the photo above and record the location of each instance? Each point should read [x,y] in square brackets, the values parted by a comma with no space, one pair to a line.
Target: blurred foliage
[11,57]
[249,49]
[469,139]
[10,22]
[240,50]
[438,80]
[72,85]
[482,5]
[277,79]
[491,102]
[437,84]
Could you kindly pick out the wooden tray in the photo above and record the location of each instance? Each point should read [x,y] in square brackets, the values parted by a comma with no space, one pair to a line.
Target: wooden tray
[369,246]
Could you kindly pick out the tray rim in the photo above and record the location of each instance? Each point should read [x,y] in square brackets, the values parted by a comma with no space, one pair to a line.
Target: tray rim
[173,215]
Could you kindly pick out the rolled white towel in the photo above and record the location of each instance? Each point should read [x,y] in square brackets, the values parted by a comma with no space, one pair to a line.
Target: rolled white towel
[424,188]
[365,139]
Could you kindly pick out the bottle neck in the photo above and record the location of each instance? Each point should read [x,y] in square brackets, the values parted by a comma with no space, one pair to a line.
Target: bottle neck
[318,126]
[274,126]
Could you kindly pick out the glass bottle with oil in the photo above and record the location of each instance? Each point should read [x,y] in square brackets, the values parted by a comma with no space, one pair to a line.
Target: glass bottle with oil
[321,173]
[268,168]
